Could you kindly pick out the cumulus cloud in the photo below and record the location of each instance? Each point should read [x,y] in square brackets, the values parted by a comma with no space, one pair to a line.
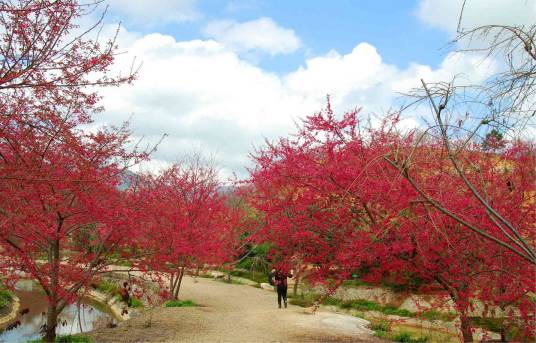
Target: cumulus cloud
[444,14]
[152,12]
[207,97]
[261,34]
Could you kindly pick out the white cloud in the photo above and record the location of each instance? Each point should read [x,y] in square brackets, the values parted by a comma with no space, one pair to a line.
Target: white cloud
[208,98]
[466,68]
[444,14]
[261,34]
[151,12]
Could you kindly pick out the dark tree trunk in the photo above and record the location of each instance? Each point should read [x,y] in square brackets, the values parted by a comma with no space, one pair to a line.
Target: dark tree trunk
[503,335]
[178,283]
[466,328]
[52,320]
[52,311]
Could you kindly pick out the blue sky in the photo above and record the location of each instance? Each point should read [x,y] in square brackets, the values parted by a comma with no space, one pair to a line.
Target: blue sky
[392,26]
[223,76]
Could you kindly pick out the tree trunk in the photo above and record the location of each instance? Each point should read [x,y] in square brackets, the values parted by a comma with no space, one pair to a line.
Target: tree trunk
[466,328]
[52,311]
[503,335]
[178,283]
[52,320]
[454,295]
[296,282]
[171,283]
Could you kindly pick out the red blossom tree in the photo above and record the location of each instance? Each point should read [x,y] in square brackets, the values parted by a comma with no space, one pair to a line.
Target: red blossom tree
[62,215]
[332,197]
[188,222]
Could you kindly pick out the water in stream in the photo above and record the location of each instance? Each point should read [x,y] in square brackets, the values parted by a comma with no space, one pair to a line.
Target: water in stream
[32,298]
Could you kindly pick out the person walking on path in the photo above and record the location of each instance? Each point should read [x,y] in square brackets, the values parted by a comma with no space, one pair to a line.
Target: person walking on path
[280,280]
[125,294]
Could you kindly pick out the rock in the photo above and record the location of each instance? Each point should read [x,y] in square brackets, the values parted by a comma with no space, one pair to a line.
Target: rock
[481,335]
[217,275]
[267,286]
[344,323]
[376,294]
[415,304]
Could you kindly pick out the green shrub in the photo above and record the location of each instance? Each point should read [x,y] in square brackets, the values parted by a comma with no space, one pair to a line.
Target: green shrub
[332,301]
[108,287]
[436,315]
[412,283]
[254,276]
[5,297]
[362,305]
[380,326]
[367,305]
[354,283]
[359,315]
[302,300]
[406,337]
[73,339]
[136,303]
[180,303]
[66,339]
[396,311]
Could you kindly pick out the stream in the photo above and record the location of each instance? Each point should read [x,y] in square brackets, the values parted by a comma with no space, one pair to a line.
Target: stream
[89,314]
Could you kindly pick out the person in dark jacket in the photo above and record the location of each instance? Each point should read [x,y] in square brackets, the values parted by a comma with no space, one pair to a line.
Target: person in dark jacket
[280,280]
[271,277]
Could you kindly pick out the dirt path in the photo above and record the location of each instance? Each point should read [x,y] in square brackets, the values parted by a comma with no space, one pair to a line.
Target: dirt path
[235,313]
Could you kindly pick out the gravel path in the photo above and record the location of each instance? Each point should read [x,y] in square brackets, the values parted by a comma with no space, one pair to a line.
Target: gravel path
[235,313]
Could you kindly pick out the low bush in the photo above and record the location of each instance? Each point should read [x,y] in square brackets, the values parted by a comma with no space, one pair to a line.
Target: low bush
[5,297]
[407,337]
[66,339]
[436,315]
[396,311]
[367,305]
[108,287]
[136,303]
[382,329]
[251,275]
[380,326]
[332,301]
[180,303]
[354,283]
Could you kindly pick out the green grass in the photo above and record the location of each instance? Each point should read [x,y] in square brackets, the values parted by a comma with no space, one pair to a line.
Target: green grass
[354,283]
[111,288]
[407,337]
[367,305]
[5,297]
[66,339]
[436,315]
[254,276]
[136,303]
[332,301]
[396,311]
[358,304]
[380,326]
[513,332]
[180,303]
[383,329]
[108,287]
[359,315]
[303,300]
